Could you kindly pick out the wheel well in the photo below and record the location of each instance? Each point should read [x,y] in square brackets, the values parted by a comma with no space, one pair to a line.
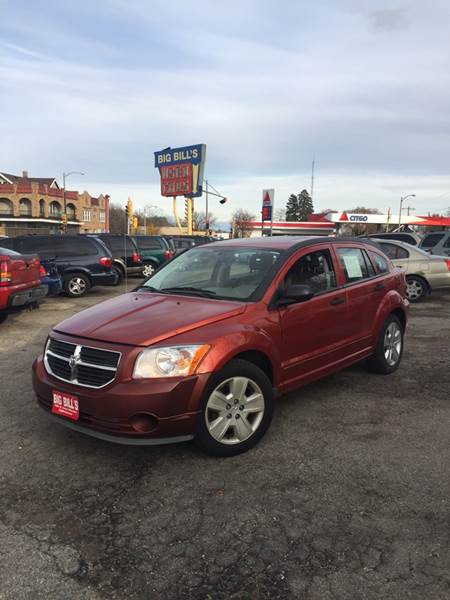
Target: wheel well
[399,313]
[259,359]
[427,285]
[117,263]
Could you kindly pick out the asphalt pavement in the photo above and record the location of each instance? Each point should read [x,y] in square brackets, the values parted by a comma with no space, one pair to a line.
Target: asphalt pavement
[346,497]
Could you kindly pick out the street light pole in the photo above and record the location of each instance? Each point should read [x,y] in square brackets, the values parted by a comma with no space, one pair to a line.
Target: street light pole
[65,175]
[206,215]
[402,199]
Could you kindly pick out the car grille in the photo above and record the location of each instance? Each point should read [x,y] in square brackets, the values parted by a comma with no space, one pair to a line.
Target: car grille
[81,365]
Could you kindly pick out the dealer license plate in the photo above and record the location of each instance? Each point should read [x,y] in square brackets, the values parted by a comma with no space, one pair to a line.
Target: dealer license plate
[65,405]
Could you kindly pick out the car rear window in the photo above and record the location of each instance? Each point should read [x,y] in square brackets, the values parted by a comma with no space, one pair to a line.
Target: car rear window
[394,251]
[148,243]
[431,240]
[119,243]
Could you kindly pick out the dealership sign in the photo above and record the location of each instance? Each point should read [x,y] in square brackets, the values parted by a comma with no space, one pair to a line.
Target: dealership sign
[181,170]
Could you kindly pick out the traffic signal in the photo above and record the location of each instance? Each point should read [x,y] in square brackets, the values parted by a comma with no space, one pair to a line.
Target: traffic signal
[135,223]
[126,211]
[130,207]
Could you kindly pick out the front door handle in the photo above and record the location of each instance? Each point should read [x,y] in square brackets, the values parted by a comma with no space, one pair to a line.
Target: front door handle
[336,301]
[379,287]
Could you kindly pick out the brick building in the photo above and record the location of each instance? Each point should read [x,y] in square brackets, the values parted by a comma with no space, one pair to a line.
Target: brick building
[36,205]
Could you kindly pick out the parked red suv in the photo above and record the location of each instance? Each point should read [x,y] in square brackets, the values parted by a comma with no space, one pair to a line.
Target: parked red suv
[20,281]
[202,348]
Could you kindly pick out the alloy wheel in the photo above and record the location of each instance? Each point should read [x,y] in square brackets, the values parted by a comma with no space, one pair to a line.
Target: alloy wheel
[414,289]
[234,410]
[77,286]
[148,270]
[392,344]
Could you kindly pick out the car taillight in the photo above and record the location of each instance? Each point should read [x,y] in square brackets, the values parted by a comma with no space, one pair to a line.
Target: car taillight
[42,271]
[5,273]
[135,257]
[448,263]
[105,261]
[168,254]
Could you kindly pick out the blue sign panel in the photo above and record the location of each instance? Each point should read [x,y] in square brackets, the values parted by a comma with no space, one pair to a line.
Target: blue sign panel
[194,155]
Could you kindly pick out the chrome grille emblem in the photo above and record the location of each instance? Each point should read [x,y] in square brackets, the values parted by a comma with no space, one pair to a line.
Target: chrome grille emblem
[73,362]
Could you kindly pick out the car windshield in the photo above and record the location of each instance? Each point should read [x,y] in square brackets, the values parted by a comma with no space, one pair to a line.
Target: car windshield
[214,272]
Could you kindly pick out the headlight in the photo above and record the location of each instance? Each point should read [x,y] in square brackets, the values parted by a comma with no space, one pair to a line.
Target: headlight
[174,361]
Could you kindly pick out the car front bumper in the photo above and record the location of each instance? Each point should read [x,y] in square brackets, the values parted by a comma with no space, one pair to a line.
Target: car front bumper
[171,405]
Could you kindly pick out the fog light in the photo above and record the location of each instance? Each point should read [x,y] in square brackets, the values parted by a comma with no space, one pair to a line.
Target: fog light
[143,422]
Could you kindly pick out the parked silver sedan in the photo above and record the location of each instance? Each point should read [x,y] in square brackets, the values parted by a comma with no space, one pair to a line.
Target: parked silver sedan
[424,272]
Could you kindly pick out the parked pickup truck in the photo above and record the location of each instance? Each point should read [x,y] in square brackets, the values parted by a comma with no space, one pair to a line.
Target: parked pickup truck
[20,281]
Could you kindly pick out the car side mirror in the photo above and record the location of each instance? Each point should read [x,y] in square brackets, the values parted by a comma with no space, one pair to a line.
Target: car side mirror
[294,294]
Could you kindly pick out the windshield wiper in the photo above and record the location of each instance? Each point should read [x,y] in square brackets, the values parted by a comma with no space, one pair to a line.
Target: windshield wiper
[148,288]
[189,290]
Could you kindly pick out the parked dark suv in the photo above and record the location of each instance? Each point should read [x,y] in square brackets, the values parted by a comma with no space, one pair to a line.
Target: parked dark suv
[81,261]
[436,242]
[154,251]
[126,257]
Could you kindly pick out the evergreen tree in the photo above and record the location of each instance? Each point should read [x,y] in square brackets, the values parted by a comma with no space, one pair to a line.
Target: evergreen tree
[292,208]
[305,206]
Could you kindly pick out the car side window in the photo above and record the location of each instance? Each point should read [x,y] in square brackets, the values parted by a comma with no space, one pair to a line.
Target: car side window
[354,264]
[389,249]
[447,242]
[381,264]
[314,269]
[431,240]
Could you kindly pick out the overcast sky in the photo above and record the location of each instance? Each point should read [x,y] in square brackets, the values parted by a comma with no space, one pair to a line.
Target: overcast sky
[361,85]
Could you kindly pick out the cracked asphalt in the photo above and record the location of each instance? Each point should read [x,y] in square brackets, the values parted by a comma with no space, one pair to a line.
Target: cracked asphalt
[346,497]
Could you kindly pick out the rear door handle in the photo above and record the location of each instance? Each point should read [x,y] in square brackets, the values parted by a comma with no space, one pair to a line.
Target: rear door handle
[379,286]
[337,301]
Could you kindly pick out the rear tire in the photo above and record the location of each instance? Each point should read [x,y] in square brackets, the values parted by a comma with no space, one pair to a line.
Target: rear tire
[76,285]
[236,409]
[149,268]
[3,317]
[389,349]
[416,288]
[118,273]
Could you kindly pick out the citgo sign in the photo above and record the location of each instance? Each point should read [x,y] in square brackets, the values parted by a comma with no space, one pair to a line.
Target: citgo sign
[181,170]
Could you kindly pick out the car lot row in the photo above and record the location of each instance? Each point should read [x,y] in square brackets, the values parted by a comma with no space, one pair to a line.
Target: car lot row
[74,264]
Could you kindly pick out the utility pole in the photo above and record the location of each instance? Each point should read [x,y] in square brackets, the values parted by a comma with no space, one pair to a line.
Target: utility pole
[64,218]
[206,214]
[409,208]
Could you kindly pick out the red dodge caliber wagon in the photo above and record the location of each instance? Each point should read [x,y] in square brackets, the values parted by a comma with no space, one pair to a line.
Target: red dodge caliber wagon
[202,348]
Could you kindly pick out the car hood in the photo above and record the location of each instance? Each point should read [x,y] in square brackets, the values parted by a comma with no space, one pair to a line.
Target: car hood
[145,318]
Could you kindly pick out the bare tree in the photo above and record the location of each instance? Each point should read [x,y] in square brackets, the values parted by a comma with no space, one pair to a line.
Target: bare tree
[240,223]
[199,220]
[117,219]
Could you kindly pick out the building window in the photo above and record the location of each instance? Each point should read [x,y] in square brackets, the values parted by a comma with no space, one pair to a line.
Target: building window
[42,207]
[86,214]
[71,212]
[6,206]
[25,207]
[102,216]
[55,209]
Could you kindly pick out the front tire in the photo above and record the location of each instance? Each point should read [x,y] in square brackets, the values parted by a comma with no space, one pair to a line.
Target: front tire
[236,409]
[76,285]
[389,349]
[416,288]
